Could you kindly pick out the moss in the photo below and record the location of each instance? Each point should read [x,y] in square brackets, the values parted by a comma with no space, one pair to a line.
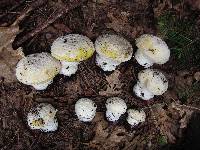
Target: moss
[182,37]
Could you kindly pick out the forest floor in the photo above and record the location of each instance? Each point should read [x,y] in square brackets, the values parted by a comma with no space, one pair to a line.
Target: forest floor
[28,27]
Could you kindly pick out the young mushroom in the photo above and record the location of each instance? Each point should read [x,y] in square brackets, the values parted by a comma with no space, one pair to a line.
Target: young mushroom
[112,50]
[150,82]
[43,117]
[115,108]
[71,50]
[135,117]
[85,109]
[37,70]
[151,49]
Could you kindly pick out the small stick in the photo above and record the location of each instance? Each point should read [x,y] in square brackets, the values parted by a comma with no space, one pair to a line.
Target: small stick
[57,14]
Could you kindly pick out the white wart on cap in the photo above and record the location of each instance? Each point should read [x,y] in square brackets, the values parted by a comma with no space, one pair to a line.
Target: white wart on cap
[85,109]
[37,70]
[115,108]
[112,50]
[150,82]
[151,49]
[43,117]
[135,117]
[70,50]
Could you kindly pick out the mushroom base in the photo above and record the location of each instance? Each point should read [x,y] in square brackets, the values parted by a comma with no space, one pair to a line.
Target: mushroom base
[142,92]
[68,68]
[142,59]
[42,86]
[106,64]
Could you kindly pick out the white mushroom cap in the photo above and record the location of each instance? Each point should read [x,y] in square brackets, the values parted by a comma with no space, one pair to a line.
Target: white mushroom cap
[115,108]
[43,117]
[151,49]
[36,69]
[85,109]
[151,82]
[112,50]
[154,81]
[72,48]
[135,117]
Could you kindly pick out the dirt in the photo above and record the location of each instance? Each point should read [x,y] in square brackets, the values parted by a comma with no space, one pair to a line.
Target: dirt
[167,115]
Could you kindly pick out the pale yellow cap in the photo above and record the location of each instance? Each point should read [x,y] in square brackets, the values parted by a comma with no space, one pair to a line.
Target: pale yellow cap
[72,48]
[37,68]
[114,47]
[153,48]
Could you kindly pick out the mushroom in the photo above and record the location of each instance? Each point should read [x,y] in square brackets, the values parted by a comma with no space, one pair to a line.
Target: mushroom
[151,49]
[150,82]
[37,70]
[71,50]
[85,109]
[135,117]
[43,117]
[112,50]
[115,108]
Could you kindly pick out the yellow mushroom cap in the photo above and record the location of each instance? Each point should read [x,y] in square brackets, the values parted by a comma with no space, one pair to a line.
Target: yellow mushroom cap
[72,48]
[37,68]
[114,47]
[153,48]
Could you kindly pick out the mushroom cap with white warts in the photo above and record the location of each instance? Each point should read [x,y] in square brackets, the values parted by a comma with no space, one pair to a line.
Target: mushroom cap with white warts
[153,48]
[72,48]
[135,117]
[37,68]
[153,80]
[114,47]
[115,108]
[43,117]
[85,109]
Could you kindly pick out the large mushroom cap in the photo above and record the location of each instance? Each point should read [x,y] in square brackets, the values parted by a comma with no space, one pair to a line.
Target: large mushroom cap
[37,68]
[72,48]
[43,117]
[114,47]
[153,48]
[153,80]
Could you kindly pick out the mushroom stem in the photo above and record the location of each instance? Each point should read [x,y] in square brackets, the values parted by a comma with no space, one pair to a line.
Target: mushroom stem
[68,68]
[42,86]
[142,92]
[106,64]
[142,59]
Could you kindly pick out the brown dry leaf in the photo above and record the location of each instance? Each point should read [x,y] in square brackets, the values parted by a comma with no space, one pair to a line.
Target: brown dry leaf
[105,138]
[171,121]
[9,57]
[114,84]
[120,24]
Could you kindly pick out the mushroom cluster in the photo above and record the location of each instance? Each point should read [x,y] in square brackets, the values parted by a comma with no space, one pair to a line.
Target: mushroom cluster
[38,70]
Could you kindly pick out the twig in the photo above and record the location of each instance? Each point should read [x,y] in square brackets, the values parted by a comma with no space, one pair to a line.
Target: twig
[57,14]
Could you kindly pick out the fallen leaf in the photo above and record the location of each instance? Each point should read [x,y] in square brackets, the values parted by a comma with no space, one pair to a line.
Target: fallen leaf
[9,57]
[114,84]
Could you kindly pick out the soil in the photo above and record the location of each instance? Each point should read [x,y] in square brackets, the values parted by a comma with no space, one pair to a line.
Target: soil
[167,115]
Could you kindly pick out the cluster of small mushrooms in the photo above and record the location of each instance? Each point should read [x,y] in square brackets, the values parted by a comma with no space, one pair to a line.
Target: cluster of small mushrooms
[39,69]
